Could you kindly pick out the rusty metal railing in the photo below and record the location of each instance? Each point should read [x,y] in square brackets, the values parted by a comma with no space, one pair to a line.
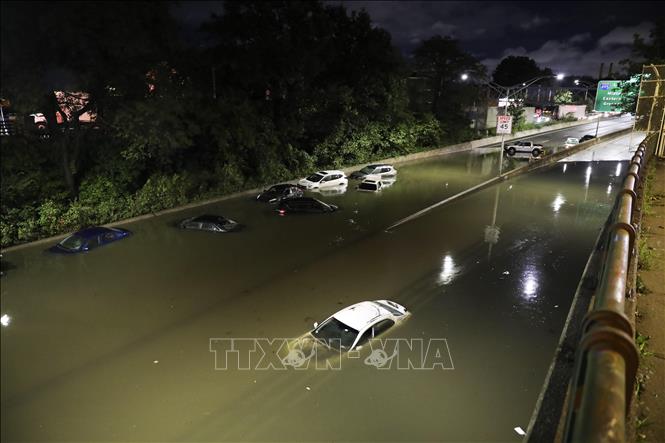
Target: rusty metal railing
[607,358]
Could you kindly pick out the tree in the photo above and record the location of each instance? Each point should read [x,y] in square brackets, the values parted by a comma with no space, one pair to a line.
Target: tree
[630,90]
[516,110]
[647,52]
[514,70]
[563,97]
[101,48]
[442,61]
[308,67]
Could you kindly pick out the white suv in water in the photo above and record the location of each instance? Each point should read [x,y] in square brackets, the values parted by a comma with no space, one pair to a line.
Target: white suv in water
[324,179]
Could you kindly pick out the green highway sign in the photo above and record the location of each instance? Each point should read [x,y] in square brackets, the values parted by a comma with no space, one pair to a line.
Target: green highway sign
[608,96]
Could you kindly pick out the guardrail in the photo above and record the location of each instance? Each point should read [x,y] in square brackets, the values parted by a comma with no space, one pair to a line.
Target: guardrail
[607,358]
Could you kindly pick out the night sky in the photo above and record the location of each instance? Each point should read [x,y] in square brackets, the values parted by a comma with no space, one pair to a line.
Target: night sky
[569,37]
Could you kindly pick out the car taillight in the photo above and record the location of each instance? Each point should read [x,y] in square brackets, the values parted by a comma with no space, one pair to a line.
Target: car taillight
[282,212]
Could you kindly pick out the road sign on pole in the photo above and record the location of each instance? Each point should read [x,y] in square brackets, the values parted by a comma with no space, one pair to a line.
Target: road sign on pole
[504,124]
[608,96]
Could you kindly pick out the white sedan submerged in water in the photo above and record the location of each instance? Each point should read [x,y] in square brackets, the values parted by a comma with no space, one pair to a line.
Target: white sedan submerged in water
[356,324]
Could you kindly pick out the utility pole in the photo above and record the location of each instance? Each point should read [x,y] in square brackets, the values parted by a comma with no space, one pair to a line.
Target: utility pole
[214,84]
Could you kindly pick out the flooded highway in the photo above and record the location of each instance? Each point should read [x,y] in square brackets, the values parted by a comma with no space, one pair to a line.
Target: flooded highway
[115,344]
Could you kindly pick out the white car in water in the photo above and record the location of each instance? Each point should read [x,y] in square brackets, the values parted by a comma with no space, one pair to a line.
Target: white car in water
[371,183]
[381,170]
[571,141]
[324,179]
[355,325]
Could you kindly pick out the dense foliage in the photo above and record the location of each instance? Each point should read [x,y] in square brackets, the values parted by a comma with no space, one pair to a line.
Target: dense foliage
[297,86]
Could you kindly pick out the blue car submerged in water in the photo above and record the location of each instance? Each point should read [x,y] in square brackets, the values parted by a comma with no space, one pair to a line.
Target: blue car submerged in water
[89,238]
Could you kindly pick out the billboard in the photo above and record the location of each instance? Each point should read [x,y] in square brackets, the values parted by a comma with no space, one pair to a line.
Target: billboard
[608,96]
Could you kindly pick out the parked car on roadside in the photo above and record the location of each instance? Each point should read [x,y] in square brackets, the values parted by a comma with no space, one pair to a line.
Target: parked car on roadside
[210,223]
[355,325]
[381,170]
[324,179]
[524,146]
[277,193]
[304,205]
[88,239]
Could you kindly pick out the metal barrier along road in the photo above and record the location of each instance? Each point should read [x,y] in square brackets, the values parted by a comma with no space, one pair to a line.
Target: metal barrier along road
[607,358]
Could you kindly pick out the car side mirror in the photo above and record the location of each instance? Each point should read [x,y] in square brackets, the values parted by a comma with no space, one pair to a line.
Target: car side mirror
[316,324]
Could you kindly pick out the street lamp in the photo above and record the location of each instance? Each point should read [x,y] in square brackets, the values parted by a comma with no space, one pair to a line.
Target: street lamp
[464,77]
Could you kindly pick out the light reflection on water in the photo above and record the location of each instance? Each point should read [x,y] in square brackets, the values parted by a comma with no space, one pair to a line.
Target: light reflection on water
[448,270]
[115,343]
[559,200]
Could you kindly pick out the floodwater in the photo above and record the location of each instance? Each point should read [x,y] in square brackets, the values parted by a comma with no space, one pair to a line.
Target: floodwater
[115,344]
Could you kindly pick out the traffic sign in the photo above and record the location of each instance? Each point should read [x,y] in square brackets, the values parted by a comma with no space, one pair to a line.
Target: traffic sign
[504,124]
[608,96]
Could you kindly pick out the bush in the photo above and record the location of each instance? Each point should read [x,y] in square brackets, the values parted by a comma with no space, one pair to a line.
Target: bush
[348,145]
[101,194]
[229,177]
[50,218]
[77,216]
[161,192]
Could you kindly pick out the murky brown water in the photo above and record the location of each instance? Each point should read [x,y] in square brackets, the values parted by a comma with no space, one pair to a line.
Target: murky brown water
[114,345]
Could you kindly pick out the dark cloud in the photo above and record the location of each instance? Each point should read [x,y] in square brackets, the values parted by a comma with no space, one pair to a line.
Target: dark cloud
[570,37]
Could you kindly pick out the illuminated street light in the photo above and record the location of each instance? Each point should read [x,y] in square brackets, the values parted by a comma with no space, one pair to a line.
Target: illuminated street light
[560,76]
[465,77]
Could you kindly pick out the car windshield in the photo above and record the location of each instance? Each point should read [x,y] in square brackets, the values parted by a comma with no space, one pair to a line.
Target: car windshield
[368,186]
[72,242]
[315,177]
[367,169]
[336,334]
[392,310]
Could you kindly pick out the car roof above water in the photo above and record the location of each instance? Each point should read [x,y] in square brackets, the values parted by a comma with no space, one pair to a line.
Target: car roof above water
[93,231]
[209,218]
[282,186]
[360,315]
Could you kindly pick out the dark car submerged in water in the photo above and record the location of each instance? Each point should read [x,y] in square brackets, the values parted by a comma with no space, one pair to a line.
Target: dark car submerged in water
[277,193]
[210,223]
[305,205]
[88,239]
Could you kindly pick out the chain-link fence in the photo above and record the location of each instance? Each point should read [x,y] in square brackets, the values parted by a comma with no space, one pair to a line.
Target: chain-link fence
[650,110]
